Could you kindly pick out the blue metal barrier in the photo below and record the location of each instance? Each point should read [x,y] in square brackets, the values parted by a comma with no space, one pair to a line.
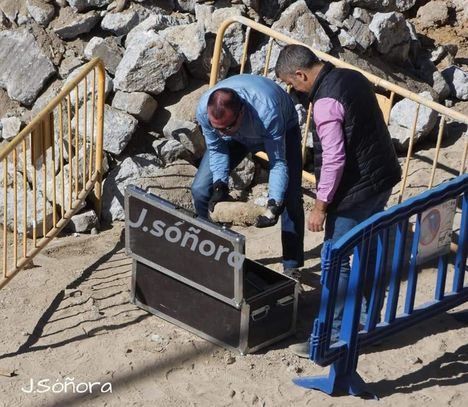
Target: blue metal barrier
[383,250]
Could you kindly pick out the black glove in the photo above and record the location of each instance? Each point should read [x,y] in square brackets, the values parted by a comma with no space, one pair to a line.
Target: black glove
[270,216]
[220,194]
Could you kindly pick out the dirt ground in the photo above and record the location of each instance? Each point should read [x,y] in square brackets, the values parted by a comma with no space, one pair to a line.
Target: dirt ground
[70,319]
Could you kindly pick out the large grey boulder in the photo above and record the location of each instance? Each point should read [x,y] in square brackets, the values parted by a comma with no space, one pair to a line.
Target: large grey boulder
[41,11]
[458,82]
[156,23]
[257,59]
[188,134]
[189,40]
[10,9]
[201,68]
[440,85]
[402,117]
[82,5]
[70,25]
[9,127]
[301,24]
[358,32]
[119,128]
[362,15]
[52,90]
[170,150]
[107,49]
[433,14]
[204,15]
[133,170]
[24,69]
[428,72]
[270,10]
[180,106]
[243,175]
[338,11]
[461,8]
[83,222]
[120,23]
[68,65]
[233,37]
[392,35]
[173,183]
[346,39]
[138,104]
[147,64]
[298,22]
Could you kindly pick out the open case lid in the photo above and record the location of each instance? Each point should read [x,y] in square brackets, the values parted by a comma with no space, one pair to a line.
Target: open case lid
[193,250]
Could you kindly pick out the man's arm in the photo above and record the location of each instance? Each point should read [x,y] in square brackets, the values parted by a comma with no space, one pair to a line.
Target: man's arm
[217,149]
[328,117]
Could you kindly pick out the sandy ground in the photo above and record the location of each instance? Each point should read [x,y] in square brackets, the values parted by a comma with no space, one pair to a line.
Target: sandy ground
[70,317]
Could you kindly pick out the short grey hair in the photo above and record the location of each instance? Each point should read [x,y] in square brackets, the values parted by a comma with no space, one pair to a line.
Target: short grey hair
[293,57]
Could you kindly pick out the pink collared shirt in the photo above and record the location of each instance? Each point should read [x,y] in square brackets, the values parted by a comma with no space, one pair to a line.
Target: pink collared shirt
[328,116]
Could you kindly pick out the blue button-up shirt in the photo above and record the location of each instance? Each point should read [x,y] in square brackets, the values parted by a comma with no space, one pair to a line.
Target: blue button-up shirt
[268,113]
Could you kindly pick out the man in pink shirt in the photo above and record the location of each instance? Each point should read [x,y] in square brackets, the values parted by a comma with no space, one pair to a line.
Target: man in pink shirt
[354,160]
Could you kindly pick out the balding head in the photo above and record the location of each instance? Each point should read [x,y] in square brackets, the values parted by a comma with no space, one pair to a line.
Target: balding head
[224,101]
[225,110]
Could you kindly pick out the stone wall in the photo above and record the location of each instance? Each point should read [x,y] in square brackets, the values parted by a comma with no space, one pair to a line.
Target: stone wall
[157,56]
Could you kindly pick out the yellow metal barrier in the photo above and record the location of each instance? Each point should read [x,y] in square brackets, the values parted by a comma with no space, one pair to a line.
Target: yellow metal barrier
[50,167]
[385,103]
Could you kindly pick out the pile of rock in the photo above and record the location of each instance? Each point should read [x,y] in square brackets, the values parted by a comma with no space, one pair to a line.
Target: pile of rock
[158,56]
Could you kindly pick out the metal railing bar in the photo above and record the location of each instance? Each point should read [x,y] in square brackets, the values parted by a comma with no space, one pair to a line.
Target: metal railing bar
[437,151]
[413,269]
[324,56]
[52,233]
[408,155]
[96,62]
[245,49]
[25,201]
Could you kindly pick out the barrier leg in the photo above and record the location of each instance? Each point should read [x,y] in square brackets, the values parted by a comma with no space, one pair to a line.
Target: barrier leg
[350,383]
[343,376]
[337,381]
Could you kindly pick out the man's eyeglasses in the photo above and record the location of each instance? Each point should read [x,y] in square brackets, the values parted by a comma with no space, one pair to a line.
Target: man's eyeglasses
[230,126]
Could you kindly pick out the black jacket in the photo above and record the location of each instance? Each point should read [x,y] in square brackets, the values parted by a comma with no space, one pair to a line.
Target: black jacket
[371,163]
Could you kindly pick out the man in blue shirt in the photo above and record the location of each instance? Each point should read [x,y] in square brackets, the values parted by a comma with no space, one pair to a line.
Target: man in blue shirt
[249,113]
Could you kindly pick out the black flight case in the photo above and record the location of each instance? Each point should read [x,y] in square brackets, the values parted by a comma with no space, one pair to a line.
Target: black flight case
[193,273]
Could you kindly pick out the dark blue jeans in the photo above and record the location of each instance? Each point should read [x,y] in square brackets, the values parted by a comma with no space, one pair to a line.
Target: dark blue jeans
[292,219]
[337,224]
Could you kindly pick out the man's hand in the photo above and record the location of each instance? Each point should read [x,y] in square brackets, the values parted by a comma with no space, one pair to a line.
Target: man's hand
[270,216]
[317,217]
[220,194]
